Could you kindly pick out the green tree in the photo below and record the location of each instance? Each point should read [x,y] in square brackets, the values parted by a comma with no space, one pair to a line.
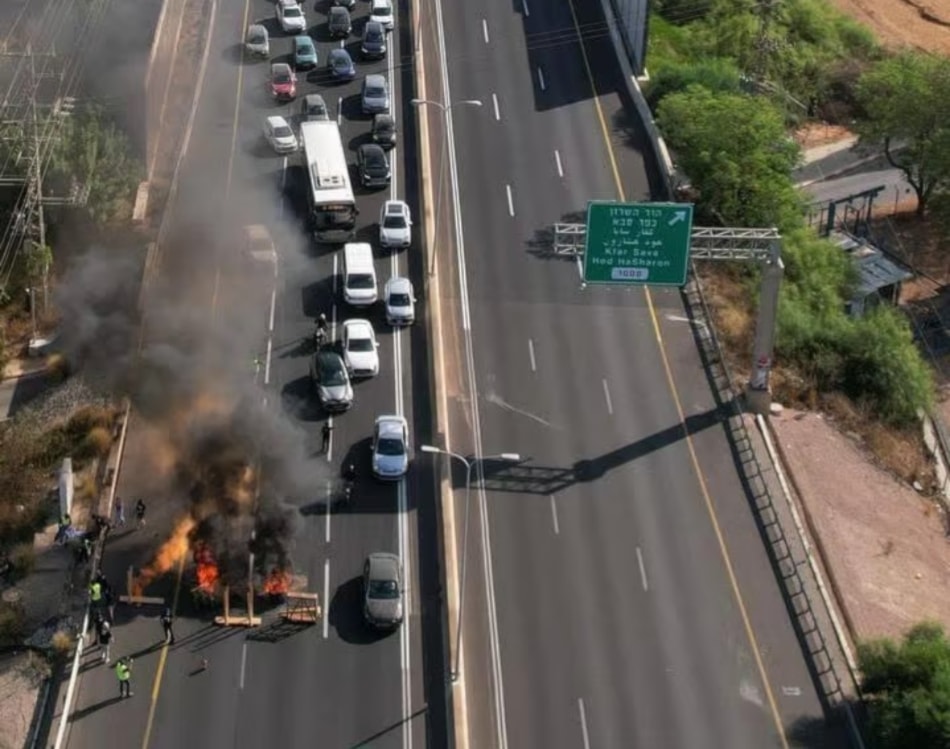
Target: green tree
[906,102]
[93,155]
[736,152]
[908,684]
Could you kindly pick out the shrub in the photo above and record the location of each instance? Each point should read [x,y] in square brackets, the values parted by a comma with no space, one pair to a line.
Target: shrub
[96,443]
[12,624]
[57,366]
[23,559]
[62,643]
[884,368]
[717,74]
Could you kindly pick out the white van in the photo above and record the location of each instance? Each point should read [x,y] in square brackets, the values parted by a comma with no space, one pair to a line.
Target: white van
[359,274]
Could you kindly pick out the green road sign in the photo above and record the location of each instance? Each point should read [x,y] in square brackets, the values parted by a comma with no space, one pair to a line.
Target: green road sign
[638,243]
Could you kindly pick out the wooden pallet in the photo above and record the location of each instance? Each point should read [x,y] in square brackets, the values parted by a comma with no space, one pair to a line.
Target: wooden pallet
[302,607]
[247,620]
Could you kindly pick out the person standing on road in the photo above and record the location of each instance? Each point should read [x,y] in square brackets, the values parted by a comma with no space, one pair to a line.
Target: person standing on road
[140,513]
[104,634]
[95,594]
[327,431]
[118,512]
[167,626]
[123,672]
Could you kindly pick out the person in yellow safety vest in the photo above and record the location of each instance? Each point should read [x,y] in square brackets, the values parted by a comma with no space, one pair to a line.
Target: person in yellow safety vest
[95,592]
[123,671]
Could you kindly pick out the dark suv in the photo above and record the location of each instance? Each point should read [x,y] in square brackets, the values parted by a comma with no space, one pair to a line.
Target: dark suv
[339,24]
[374,40]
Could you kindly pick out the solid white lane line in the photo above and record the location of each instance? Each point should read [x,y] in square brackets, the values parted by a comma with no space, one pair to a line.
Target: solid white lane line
[402,501]
[610,406]
[557,528]
[494,101]
[244,663]
[541,79]
[557,159]
[267,358]
[534,364]
[339,104]
[485,30]
[526,11]
[643,570]
[511,202]
[584,732]
[329,509]
[273,310]
[326,594]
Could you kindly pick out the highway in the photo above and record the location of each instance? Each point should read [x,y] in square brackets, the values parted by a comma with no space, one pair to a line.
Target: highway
[619,593]
[335,684]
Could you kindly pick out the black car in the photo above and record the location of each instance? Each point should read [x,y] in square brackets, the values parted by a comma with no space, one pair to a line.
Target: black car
[374,40]
[373,165]
[384,130]
[340,65]
[338,23]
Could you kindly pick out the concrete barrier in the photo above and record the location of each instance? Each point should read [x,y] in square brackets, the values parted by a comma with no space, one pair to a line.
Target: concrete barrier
[661,153]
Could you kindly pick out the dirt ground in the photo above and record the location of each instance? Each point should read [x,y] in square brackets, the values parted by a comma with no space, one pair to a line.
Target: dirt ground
[886,544]
[924,24]
[21,677]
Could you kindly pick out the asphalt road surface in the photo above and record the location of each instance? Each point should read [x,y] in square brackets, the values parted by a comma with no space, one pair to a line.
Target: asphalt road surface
[336,684]
[626,599]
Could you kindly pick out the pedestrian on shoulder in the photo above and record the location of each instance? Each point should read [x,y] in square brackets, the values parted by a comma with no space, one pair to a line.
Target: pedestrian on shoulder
[123,672]
[140,513]
[105,640]
[118,512]
[167,626]
[108,598]
[95,593]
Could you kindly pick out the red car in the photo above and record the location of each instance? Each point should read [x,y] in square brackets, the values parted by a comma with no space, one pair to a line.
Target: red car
[283,82]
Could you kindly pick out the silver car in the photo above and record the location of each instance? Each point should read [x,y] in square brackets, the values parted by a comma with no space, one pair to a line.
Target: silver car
[256,41]
[390,447]
[400,301]
[375,94]
[382,590]
[331,381]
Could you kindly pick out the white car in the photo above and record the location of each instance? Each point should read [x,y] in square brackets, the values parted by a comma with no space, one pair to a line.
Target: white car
[291,17]
[258,245]
[279,134]
[382,11]
[395,224]
[360,348]
[400,301]
[390,447]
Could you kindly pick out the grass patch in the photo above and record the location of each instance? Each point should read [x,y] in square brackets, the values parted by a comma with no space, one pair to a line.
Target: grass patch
[32,447]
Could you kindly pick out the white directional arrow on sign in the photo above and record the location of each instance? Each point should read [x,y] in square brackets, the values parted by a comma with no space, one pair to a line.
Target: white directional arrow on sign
[677,217]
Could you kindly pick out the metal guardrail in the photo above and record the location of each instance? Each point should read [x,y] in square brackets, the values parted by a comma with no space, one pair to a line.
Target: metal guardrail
[796,594]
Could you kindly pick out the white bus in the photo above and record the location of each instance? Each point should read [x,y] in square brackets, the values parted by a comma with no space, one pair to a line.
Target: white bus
[331,202]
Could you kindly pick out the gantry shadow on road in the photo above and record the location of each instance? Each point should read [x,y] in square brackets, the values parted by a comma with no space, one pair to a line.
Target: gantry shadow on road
[528,478]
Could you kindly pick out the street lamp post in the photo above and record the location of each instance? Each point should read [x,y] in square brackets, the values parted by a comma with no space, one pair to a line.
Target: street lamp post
[469,464]
[445,109]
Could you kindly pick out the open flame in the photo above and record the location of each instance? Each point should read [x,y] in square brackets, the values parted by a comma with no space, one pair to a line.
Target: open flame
[277,582]
[206,570]
[171,553]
